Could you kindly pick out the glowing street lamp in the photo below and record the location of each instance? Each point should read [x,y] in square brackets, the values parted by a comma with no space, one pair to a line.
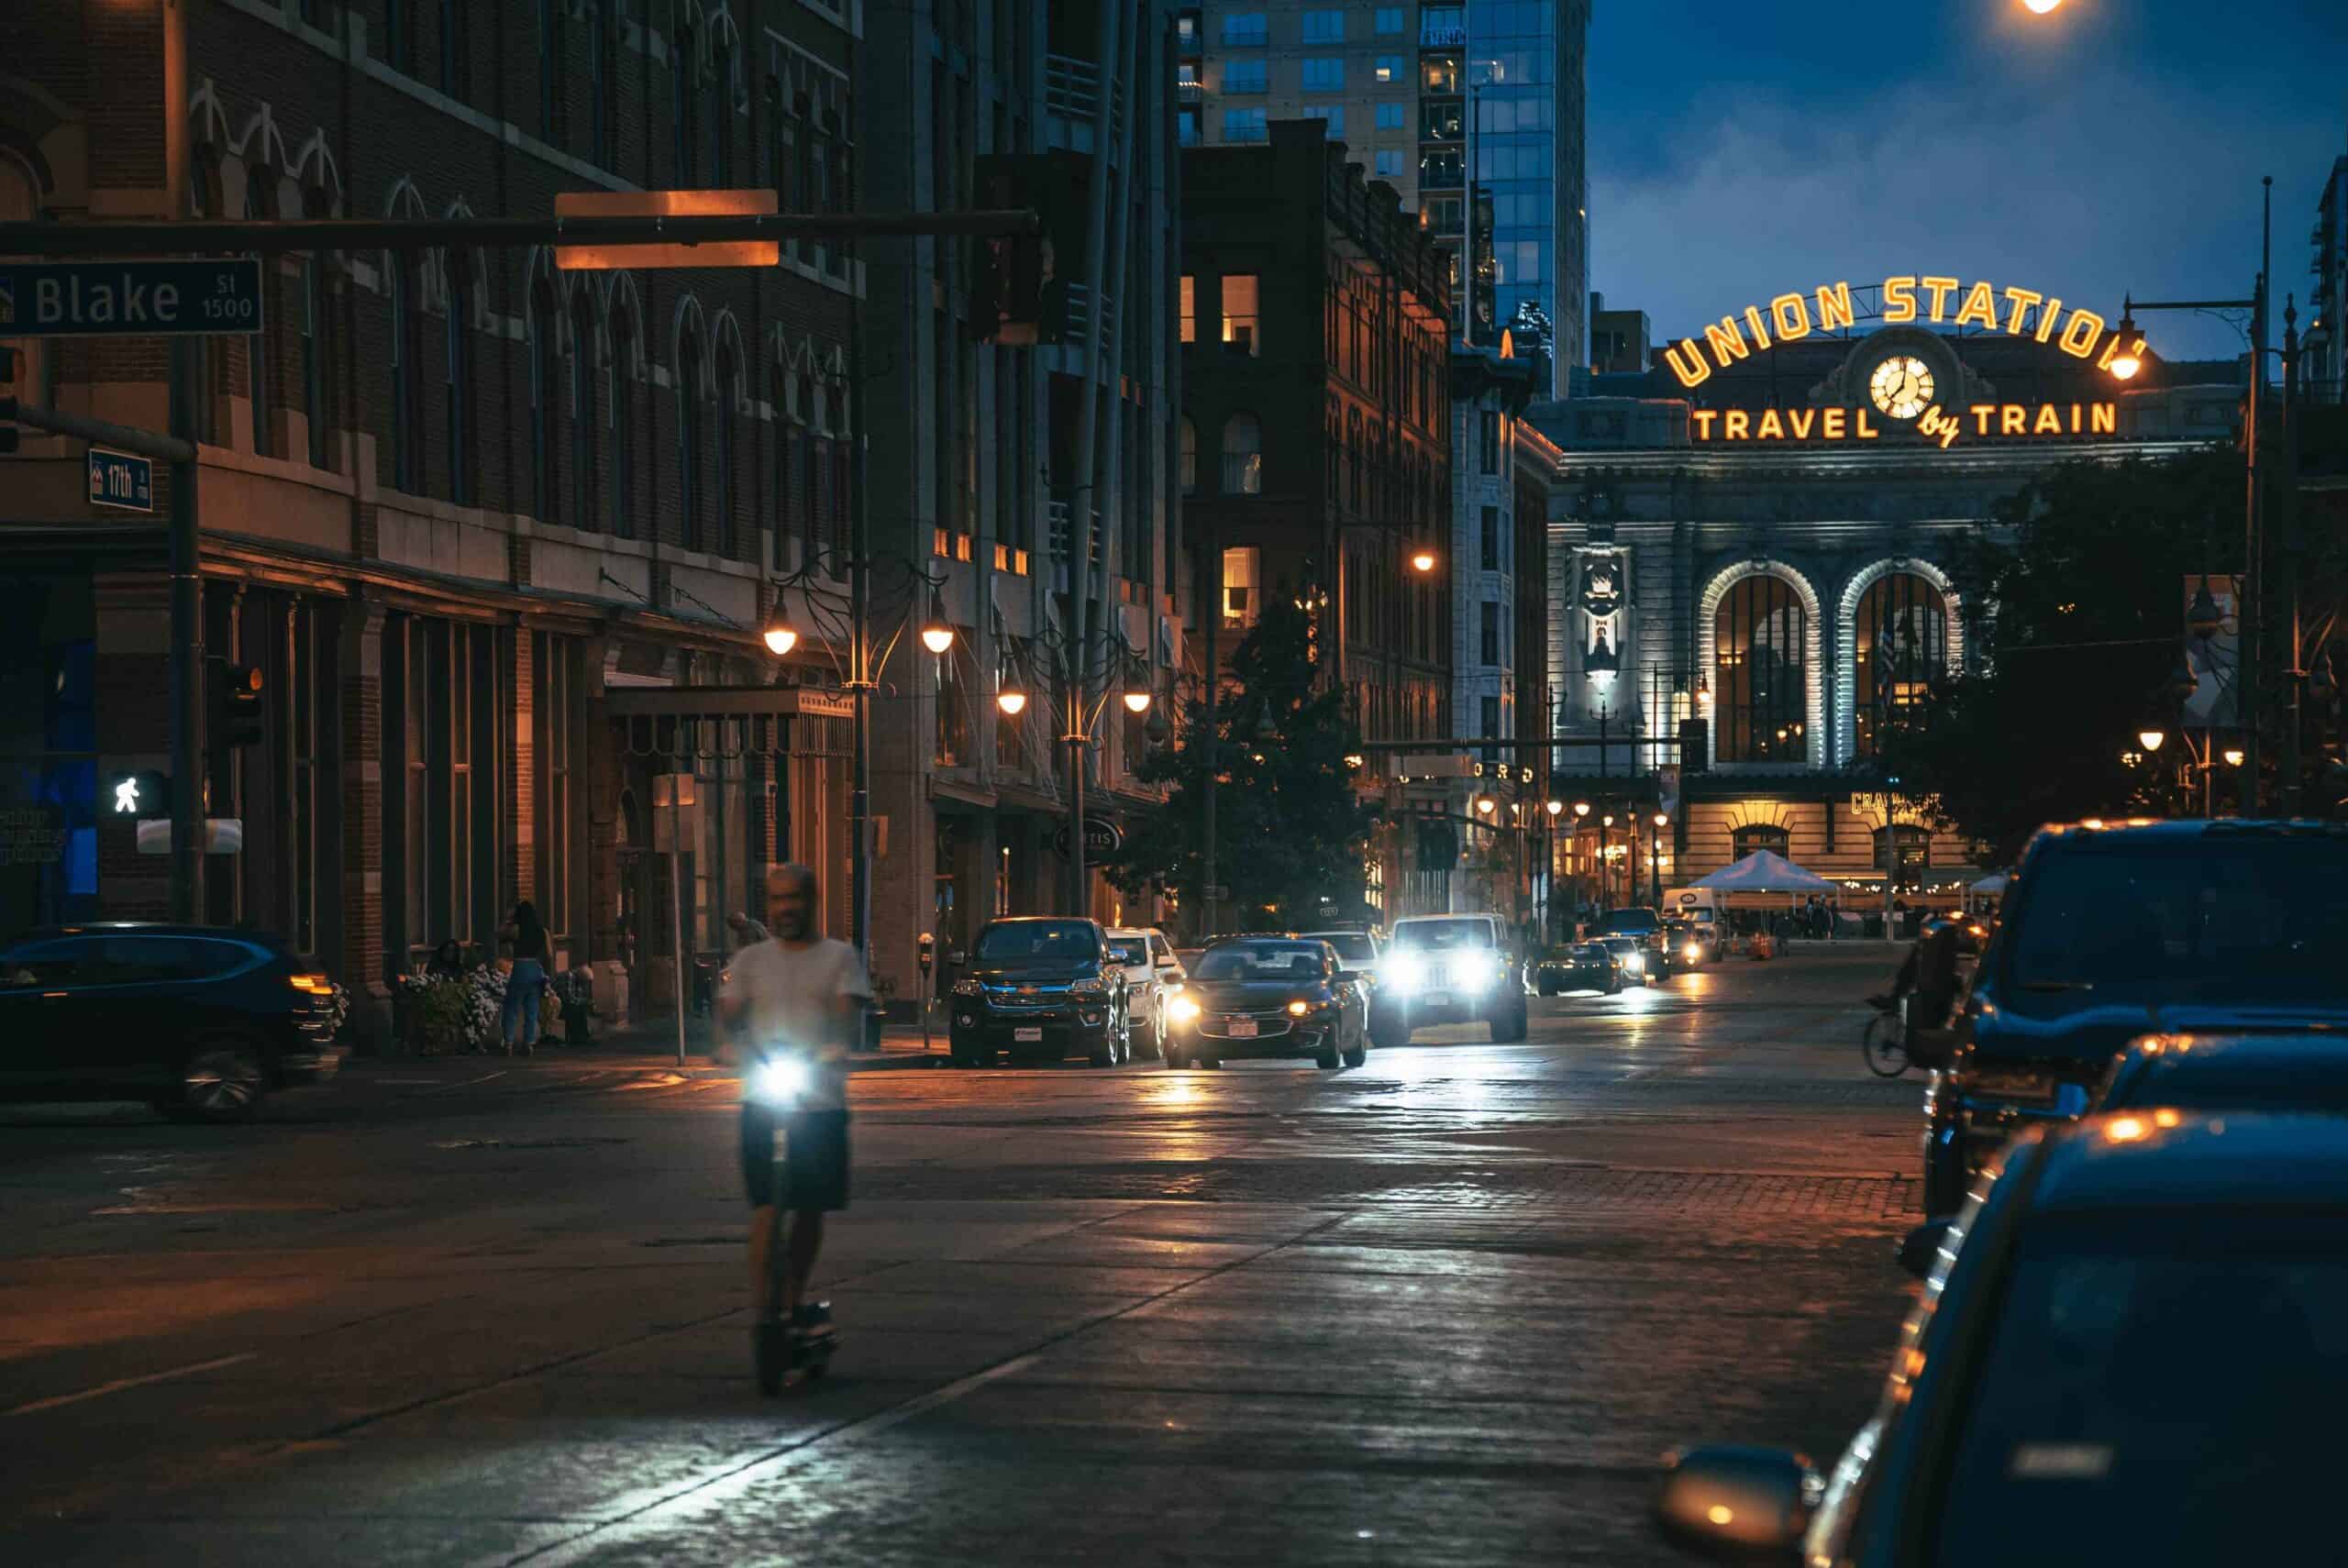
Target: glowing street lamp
[2233,755]
[1012,700]
[1423,560]
[2151,738]
[1484,804]
[937,636]
[781,637]
[1553,807]
[1581,807]
[1662,819]
[2039,7]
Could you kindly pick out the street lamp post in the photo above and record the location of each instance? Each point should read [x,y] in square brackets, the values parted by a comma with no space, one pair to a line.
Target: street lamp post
[1119,669]
[860,676]
[1654,858]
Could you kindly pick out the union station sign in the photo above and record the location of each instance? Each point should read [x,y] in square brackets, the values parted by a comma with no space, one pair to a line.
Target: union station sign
[2014,311]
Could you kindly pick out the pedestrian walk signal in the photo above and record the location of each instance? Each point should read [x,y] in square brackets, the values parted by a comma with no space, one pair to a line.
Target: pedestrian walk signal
[139,795]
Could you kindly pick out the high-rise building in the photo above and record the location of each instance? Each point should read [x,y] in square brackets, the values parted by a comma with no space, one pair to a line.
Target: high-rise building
[1481,99]
[2325,371]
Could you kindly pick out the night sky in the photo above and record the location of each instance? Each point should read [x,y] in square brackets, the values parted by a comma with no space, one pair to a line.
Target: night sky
[1741,149]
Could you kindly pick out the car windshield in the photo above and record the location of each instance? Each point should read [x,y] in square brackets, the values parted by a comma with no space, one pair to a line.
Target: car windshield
[1072,940]
[2145,1393]
[1623,944]
[1640,921]
[2218,918]
[1352,947]
[1440,935]
[1260,961]
[1130,952]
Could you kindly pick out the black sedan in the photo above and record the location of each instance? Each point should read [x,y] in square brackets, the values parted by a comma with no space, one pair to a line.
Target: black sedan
[1578,966]
[200,1021]
[2230,1072]
[1268,997]
[2114,1360]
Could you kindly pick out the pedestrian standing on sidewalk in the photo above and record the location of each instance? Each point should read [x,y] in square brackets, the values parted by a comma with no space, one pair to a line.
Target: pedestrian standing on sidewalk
[523,986]
[792,1008]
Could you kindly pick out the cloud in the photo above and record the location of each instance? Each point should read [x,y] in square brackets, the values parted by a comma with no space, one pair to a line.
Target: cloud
[2125,182]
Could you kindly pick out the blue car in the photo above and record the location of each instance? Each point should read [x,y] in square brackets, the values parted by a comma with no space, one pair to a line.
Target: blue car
[200,1021]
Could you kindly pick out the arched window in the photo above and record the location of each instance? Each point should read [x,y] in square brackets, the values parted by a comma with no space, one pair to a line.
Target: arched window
[546,392]
[1747,840]
[261,347]
[1761,690]
[400,277]
[688,430]
[729,372]
[459,379]
[1190,457]
[623,422]
[1243,455]
[582,412]
[1899,648]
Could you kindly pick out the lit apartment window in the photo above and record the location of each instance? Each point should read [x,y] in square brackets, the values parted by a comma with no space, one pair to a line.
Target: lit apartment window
[1243,455]
[1241,599]
[1388,67]
[1189,309]
[1239,319]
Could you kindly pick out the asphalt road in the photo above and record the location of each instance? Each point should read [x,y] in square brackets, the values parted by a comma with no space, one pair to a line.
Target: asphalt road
[1449,1308]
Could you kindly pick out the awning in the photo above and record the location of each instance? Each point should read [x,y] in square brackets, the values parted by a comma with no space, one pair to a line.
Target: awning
[1764,871]
[719,724]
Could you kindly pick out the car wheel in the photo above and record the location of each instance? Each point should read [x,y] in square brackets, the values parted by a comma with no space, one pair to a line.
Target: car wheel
[1330,1056]
[222,1081]
[1614,984]
[1508,1028]
[1357,1055]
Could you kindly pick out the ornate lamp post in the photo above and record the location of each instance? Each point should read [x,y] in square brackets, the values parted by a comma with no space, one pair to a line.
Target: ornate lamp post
[1084,678]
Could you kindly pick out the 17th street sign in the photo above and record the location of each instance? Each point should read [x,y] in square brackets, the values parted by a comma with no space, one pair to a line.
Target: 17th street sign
[99,299]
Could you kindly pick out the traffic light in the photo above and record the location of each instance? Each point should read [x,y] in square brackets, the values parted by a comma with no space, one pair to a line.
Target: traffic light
[11,363]
[237,712]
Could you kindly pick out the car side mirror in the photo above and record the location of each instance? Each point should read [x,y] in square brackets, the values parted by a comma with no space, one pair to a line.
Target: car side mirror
[1921,1247]
[1739,1504]
[956,958]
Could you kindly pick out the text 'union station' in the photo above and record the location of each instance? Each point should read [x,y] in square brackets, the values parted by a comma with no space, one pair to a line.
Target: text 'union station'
[1756,525]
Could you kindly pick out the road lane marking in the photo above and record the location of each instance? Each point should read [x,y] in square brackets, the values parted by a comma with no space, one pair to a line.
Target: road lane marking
[122,1383]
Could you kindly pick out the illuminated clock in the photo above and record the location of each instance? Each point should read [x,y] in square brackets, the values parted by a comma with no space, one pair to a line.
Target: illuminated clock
[1901,386]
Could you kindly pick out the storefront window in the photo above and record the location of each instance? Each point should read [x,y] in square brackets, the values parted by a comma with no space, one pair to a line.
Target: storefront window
[1900,647]
[48,841]
[1760,635]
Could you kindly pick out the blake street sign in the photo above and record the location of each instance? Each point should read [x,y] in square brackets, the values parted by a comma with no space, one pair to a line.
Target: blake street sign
[99,299]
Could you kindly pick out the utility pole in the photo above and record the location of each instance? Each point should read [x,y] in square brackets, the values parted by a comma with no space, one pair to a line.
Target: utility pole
[1208,577]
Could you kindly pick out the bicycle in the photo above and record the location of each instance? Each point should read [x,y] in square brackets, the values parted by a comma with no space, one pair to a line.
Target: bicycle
[1884,1043]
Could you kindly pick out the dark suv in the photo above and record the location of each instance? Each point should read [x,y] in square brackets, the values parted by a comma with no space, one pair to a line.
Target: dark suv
[200,1021]
[1040,989]
[2112,933]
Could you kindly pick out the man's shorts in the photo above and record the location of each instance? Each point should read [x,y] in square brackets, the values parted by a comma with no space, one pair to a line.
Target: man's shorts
[814,1173]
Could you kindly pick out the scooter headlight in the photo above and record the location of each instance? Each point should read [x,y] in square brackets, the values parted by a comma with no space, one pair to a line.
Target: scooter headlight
[779,1080]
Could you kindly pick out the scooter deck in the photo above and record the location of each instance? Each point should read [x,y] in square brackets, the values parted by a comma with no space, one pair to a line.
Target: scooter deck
[785,1360]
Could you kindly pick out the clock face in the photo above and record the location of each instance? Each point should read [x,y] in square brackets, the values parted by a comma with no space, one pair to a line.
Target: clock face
[1901,386]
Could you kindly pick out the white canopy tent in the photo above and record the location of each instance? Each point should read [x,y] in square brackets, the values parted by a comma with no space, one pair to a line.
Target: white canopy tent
[1766,871]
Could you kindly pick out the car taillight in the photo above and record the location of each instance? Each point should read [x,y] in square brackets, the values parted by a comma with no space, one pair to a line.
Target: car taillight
[316,984]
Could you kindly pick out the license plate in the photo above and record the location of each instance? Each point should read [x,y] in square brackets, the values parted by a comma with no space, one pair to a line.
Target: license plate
[1242,1029]
[1436,998]
[1026,1035]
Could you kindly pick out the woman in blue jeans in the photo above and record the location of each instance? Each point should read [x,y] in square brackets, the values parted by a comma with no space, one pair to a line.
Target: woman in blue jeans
[528,934]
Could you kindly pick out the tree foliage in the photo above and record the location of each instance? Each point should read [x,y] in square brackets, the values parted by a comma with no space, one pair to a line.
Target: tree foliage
[2074,602]
[1292,839]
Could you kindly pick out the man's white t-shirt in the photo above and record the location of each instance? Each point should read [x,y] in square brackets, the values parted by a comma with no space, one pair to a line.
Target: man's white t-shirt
[808,1000]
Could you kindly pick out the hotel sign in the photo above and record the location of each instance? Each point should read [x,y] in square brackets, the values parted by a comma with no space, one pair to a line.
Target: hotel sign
[2016,312]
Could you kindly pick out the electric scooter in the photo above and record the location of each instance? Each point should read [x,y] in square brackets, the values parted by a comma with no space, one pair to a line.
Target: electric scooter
[800,1350]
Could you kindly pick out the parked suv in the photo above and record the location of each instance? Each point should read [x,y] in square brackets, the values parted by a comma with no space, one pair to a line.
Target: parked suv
[1040,987]
[1453,968]
[2112,933]
[1153,975]
[200,1021]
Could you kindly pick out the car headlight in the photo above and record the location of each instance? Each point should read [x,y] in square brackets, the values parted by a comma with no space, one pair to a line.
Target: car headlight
[1088,987]
[1692,953]
[968,989]
[1477,970]
[1181,1010]
[1299,1008]
[779,1080]
[1635,962]
[1406,972]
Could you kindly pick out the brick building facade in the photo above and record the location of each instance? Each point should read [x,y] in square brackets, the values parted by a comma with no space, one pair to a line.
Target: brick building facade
[462,510]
